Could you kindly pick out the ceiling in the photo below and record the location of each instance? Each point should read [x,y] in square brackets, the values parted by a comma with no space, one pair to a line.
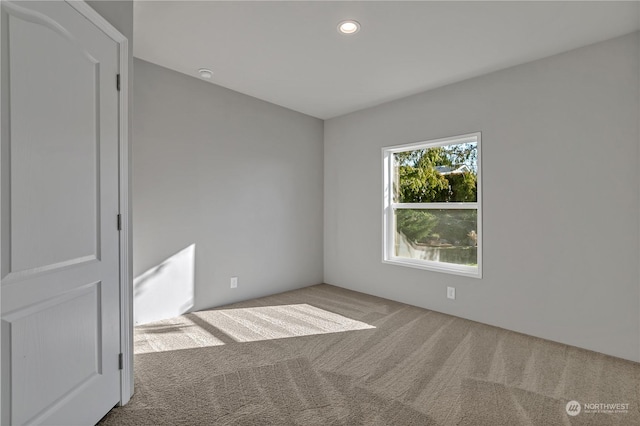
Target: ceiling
[291,54]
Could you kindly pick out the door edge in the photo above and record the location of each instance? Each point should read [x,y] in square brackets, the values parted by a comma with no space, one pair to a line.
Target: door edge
[125,248]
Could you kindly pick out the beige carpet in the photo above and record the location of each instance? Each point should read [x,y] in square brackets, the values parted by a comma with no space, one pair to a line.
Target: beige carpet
[328,356]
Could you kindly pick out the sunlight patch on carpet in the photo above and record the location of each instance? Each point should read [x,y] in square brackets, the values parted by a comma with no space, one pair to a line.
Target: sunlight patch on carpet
[224,326]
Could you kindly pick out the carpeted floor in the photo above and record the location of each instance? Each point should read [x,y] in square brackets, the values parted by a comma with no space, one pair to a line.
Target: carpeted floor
[323,355]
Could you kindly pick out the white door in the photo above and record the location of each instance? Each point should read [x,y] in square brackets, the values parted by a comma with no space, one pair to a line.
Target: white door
[59,193]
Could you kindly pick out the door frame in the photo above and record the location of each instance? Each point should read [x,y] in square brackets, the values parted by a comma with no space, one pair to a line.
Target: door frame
[125,241]
[126,277]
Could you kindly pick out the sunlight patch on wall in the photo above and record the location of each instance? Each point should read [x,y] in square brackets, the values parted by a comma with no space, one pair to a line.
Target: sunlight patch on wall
[219,327]
[166,290]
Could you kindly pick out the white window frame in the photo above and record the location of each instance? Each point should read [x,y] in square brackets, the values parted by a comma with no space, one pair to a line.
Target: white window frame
[389,233]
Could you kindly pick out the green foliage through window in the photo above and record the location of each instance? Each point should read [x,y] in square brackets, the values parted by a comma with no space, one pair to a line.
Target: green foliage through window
[437,175]
[446,174]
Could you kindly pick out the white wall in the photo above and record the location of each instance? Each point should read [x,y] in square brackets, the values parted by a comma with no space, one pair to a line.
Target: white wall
[561,196]
[238,178]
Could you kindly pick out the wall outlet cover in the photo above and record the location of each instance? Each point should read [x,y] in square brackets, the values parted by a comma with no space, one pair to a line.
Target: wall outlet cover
[451,292]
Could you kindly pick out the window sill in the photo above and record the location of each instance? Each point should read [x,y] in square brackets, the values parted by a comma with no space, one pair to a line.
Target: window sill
[447,268]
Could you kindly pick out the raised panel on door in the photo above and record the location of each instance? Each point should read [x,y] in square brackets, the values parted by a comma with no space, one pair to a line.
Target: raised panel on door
[53,149]
[59,181]
[41,338]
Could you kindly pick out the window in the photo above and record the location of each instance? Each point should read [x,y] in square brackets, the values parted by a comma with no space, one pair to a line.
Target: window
[432,205]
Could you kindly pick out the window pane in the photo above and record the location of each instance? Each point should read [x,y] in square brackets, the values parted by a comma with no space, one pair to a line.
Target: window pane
[448,236]
[436,175]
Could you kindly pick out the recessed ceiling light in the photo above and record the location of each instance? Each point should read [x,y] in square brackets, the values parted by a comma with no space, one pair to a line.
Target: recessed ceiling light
[349,27]
[205,73]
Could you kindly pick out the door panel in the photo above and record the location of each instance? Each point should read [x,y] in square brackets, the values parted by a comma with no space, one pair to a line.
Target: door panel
[42,337]
[60,143]
[59,181]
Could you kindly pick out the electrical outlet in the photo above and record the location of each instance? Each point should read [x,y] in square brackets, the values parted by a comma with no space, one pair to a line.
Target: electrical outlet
[451,292]
[234,282]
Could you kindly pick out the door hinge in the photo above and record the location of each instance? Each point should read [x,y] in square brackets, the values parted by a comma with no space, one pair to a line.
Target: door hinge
[120,361]
[118,82]
[119,222]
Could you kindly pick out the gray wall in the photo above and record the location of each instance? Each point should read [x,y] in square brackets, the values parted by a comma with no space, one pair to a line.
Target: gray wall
[561,195]
[239,178]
